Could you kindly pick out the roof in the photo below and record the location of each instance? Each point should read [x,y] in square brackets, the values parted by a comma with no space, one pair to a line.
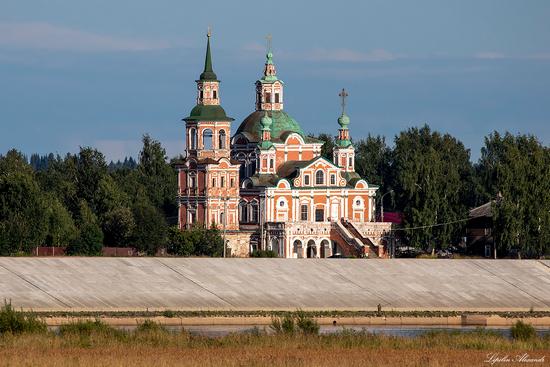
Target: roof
[208,113]
[282,123]
[482,211]
[208,73]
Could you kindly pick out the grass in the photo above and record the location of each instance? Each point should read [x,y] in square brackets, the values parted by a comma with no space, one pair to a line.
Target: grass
[295,342]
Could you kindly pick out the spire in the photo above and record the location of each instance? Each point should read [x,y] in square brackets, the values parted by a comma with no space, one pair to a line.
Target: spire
[270,74]
[208,73]
[343,133]
[343,120]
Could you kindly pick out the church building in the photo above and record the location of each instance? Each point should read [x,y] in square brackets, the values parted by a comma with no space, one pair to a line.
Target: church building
[267,186]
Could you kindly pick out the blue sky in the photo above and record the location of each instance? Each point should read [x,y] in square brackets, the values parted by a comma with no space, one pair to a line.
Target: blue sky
[102,73]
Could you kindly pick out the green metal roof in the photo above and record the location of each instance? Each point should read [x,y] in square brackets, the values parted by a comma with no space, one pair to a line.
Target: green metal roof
[282,125]
[208,113]
[208,73]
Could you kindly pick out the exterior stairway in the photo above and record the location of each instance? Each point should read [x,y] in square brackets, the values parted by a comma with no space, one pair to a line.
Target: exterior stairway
[348,243]
[368,247]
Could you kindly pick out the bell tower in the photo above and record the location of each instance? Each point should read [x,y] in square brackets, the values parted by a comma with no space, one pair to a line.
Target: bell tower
[207,126]
[269,89]
[208,180]
[344,152]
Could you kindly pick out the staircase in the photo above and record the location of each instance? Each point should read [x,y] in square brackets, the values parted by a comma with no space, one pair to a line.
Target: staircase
[368,247]
[348,243]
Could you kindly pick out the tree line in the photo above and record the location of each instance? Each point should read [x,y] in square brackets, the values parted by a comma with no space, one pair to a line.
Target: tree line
[431,180]
[82,203]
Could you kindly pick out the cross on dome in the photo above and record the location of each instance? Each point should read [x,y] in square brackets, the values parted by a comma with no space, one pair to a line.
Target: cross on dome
[343,94]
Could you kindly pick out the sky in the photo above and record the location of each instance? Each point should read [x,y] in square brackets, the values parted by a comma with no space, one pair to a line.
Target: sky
[102,73]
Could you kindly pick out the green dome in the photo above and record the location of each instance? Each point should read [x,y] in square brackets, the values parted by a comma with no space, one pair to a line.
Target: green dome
[282,123]
[208,113]
[343,121]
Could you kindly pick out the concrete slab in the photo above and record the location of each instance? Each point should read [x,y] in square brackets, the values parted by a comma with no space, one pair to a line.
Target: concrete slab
[103,284]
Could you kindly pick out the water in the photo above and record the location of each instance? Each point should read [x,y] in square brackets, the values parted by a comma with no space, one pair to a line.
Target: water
[213,331]
[403,331]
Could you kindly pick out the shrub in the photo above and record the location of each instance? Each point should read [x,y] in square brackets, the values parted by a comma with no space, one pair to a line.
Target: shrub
[150,326]
[17,322]
[284,324]
[263,253]
[306,324]
[523,331]
[86,328]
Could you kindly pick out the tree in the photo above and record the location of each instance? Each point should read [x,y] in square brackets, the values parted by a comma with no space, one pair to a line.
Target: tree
[151,228]
[61,228]
[90,238]
[118,226]
[515,171]
[431,170]
[91,169]
[180,243]
[328,146]
[157,176]
[23,222]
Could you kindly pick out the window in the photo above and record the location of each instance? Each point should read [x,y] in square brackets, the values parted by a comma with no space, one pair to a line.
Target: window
[268,98]
[232,181]
[193,134]
[306,180]
[222,218]
[276,97]
[207,139]
[192,181]
[303,212]
[192,217]
[243,211]
[319,177]
[221,139]
[271,163]
[213,182]
[350,161]
[333,179]
[201,94]
[215,94]
[319,215]
[254,212]
[222,182]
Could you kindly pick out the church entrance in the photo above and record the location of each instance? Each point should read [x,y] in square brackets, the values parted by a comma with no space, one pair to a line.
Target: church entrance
[311,249]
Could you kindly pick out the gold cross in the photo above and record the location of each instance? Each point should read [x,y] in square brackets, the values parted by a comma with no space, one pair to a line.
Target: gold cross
[343,95]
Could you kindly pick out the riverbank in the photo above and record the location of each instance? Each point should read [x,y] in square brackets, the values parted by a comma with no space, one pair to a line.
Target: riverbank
[100,346]
[390,318]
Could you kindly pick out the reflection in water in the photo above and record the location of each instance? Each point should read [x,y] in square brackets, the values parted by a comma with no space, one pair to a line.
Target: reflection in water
[213,331]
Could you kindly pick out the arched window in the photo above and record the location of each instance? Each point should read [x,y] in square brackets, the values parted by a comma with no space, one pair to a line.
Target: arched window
[306,180]
[253,210]
[193,141]
[207,139]
[243,211]
[221,139]
[319,177]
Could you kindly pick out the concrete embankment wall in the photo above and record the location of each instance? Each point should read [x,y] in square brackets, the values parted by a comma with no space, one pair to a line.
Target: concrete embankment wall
[126,284]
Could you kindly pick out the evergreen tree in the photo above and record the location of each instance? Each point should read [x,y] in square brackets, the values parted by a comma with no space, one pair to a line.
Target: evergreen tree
[157,176]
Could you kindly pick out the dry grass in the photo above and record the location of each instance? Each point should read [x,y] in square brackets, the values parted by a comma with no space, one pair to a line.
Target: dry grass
[161,348]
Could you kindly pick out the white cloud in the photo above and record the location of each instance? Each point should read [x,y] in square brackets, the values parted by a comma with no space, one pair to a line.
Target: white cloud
[38,35]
